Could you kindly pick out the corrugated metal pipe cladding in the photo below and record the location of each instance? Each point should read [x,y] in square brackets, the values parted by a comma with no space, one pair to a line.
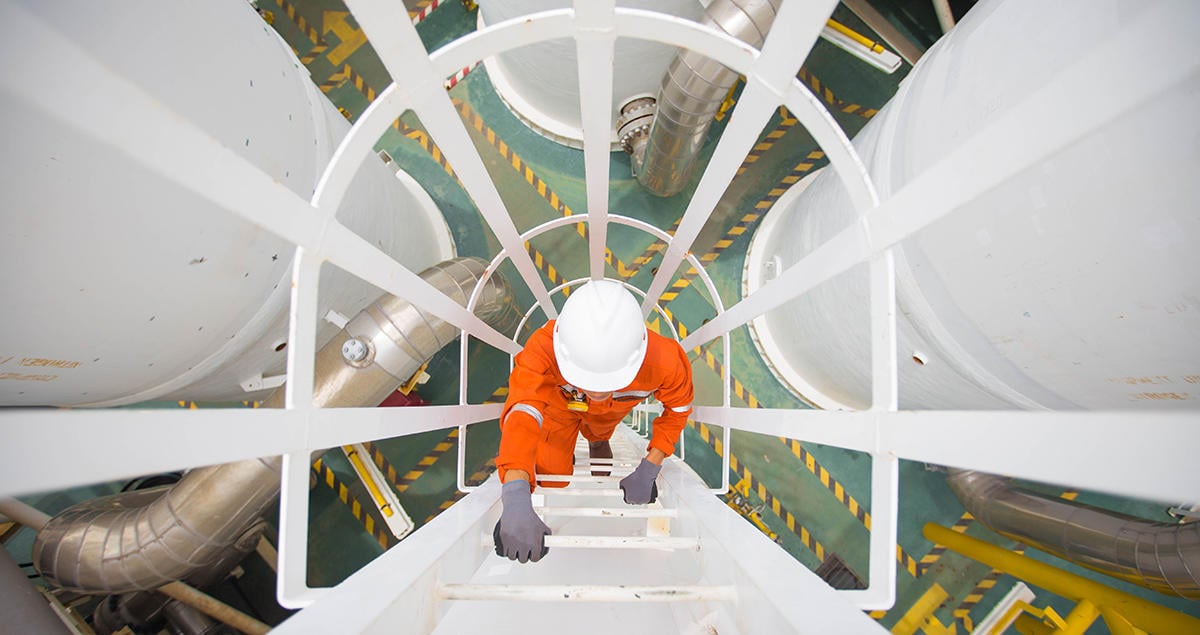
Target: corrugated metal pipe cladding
[1160,556]
[141,540]
[691,92]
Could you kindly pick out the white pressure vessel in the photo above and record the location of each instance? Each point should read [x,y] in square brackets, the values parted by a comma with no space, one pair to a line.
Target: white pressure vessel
[540,82]
[121,286]
[1075,283]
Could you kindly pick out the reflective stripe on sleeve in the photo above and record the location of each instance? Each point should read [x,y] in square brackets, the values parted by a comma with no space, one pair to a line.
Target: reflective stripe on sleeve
[527,409]
[682,408]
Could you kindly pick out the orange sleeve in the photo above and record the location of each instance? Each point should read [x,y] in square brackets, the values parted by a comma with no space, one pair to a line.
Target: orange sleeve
[523,416]
[675,393]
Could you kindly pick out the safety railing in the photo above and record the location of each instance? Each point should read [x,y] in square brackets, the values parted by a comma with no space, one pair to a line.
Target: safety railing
[151,441]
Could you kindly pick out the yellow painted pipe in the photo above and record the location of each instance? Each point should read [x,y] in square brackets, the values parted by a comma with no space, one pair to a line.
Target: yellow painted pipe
[854,35]
[1080,618]
[1143,614]
[1118,625]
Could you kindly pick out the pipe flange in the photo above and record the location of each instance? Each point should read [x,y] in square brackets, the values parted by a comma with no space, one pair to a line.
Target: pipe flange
[637,115]
[358,352]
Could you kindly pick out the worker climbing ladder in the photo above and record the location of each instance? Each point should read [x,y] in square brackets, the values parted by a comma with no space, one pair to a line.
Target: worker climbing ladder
[666,567]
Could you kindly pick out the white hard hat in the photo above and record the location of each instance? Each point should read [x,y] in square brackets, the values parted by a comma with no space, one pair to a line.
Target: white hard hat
[600,337]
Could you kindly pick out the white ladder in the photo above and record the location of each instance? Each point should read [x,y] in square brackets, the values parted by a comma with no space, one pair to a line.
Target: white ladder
[685,564]
[610,566]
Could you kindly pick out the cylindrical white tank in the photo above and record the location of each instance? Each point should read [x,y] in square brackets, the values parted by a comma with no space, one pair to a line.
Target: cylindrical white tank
[1074,284]
[120,286]
[540,82]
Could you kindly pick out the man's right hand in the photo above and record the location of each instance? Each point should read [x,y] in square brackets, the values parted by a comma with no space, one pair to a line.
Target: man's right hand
[520,534]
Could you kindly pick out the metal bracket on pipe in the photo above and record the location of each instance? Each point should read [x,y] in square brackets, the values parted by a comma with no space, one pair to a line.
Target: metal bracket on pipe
[258,382]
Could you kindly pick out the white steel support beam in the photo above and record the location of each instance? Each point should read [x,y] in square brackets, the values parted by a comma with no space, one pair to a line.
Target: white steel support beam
[291,584]
[594,40]
[165,440]
[792,36]
[1074,449]
[302,332]
[398,46]
[880,594]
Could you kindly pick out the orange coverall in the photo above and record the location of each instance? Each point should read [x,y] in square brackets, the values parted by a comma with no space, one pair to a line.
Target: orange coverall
[537,429]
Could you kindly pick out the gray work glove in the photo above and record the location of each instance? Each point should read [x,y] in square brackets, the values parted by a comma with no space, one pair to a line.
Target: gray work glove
[639,486]
[520,534]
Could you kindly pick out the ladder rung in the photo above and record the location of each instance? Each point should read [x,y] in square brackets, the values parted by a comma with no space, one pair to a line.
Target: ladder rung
[608,512]
[619,461]
[579,491]
[623,542]
[579,478]
[586,593]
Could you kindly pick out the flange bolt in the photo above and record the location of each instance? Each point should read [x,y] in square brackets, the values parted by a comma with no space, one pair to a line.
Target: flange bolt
[355,350]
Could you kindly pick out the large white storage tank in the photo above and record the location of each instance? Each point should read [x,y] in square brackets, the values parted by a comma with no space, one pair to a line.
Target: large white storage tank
[1074,284]
[122,286]
[540,82]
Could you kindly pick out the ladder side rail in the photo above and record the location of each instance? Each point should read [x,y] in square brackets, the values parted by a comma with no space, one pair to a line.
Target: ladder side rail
[775,593]
[398,586]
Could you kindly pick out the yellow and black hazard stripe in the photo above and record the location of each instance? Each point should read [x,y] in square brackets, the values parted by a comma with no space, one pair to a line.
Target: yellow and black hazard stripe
[653,250]
[745,223]
[543,189]
[402,483]
[747,220]
[824,94]
[347,74]
[646,256]
[543,265]
[962,613]
[478,477]
[319,45]
[499,396]
[777,508]
[427,145]
[786,122]
[839,491]
[377,529]
[473,119]
[739,389]
[336,79]
[935,554]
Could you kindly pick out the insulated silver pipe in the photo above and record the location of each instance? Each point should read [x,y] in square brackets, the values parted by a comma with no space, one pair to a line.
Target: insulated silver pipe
[1160,556]
[691,92]
[142,540]
[397,337]
[141,609]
